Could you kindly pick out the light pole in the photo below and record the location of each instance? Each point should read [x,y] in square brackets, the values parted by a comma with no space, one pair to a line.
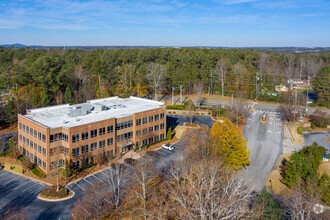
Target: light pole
[257,78]
[294,124]
[173,88]
[307,90]
[66,190]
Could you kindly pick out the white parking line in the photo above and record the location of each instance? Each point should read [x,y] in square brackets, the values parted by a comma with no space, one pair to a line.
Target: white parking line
[162,153]
[79,186]
[28,187]
[97,178]
[11,180]
[22,185]
[5,173]
[87,181]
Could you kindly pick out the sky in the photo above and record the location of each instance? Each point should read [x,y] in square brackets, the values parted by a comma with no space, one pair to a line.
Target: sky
[223,23]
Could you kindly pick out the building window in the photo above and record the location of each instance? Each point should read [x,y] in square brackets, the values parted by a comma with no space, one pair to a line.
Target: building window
[35,145]
[44,151]
[156,127]
[44,138]
[138,133]
[156,138]
[137,144]
[110,141]
[138,122]
[84,135]
[23,140]
[151,129]
[31,131]
[125,136]
[93,146]
[110,129]
[102,144]
[145,131]
[145,120]
[151,118]
[110,153]
[39,135]
[102,131]
[20,137]
[162,115]
[23,127]
[35,159]
[84,162]
[157,117]
[39,162]
[58,137]
[27,129]
[43,165]
[162,126]
[39,148]
[84,149]
[35,133]
[75,151]
[20,125]
[123,125]
[92,159]
[144,142]
[75,138]
[162,136]
[93,133]
[151,140]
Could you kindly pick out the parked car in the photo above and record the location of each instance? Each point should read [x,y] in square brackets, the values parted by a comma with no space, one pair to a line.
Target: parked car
[168,146]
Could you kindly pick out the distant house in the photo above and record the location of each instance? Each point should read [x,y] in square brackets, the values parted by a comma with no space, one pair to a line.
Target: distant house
[325,158]
[281,88]
[297,83]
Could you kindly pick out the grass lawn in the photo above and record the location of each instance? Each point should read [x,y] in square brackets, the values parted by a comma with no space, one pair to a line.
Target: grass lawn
[17,168]
[327,140]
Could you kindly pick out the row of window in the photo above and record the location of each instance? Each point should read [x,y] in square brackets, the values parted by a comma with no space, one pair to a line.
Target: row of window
[151,140]
[85,148]
[93,133]
[151,129]
[58,150]
[33,158]
[151,119]
[125,136]
[58,137]
[123,125]
[33,145]
[32,132]
[57,163]
[86,161]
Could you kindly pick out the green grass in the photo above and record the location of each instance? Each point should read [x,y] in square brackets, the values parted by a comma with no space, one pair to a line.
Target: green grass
[300,130]
[38,172]
[175,107]
[16,168]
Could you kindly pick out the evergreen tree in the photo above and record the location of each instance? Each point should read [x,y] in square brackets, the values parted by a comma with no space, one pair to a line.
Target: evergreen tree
[68,96]
[44,98]
[266,207]
[10,110]
[169,133]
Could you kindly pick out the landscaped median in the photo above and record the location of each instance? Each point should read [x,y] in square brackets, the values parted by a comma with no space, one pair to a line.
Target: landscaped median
[52,195]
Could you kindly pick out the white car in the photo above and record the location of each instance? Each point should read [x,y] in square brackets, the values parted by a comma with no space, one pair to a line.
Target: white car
[168,146]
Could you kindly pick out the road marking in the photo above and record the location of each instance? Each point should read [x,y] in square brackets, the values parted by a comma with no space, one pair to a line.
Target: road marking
[11,180]
[6,173]
[22,185]
[80,186]
[28,187]
[97,178]
[270,131]
[87,181]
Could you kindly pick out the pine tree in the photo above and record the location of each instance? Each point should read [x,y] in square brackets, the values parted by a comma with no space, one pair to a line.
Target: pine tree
[44,98]
[227,143]
[68,96]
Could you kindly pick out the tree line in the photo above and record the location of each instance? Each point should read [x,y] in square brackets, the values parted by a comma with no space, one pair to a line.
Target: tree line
[43,77]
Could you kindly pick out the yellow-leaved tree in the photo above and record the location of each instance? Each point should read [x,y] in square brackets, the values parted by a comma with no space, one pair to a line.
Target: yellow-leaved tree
[227,143]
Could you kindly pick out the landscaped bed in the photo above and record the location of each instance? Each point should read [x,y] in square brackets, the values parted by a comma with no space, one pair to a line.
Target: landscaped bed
[52,193]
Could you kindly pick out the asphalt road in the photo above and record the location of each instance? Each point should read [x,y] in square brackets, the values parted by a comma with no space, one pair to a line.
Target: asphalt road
[264,140]
[319,138]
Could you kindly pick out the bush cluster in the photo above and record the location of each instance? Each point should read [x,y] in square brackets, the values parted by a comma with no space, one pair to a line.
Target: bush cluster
[36,171]
[52,192]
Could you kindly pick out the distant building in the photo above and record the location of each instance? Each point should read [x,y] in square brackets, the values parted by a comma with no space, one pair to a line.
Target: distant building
[297,83]
[281,88]
[100,128]
[325,158]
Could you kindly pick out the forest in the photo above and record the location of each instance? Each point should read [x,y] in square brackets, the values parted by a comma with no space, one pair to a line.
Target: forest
[31,77]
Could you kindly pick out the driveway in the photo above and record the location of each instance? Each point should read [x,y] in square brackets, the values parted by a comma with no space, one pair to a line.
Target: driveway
[264,140]
[175,120]
[319,138]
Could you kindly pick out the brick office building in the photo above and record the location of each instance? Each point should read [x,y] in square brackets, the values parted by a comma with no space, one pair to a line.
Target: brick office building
[102,127]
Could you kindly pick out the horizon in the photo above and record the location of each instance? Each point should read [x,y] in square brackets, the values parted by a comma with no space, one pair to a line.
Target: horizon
[160,23]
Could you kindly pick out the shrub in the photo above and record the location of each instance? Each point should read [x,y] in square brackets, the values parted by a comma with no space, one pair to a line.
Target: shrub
[169,133]
[37,171]
[20,158]
[175,107]
[319,119]
[300,130]
[52,192]
[85,167]
[189,105]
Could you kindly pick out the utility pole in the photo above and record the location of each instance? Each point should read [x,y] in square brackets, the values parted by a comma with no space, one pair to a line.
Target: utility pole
[232,100]
[294,124]
[173,88]
[211,81]
[181,87]
[295,96]
[307,90]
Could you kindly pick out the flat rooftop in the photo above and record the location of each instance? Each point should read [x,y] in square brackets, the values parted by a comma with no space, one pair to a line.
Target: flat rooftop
[98,110]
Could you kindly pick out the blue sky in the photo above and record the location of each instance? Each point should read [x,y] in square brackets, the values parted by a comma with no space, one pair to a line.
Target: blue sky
[233,23]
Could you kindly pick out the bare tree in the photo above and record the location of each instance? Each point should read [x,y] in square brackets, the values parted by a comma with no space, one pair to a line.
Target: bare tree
[156,74]
[221,70]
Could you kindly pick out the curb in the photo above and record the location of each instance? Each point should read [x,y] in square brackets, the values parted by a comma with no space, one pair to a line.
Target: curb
[56,200]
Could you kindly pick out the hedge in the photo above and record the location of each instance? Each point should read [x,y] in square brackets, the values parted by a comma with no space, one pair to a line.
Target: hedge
[36,171]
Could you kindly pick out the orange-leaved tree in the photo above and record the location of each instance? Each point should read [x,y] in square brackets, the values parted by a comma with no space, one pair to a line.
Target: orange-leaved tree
[227,143]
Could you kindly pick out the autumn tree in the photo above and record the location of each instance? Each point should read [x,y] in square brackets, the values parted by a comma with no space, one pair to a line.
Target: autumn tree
[227,143]
[156,75]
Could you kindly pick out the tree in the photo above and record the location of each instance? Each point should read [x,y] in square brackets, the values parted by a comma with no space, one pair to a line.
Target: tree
[221,70]
[266,207]
[190,107]
[14,151]
[169,133]
[227,143]
[156,74]
[44,98]
[9,109]
[68,95]
[321,85]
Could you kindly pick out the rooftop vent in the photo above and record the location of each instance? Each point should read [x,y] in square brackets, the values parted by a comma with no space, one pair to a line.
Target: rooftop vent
[79,110]
[98,107]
